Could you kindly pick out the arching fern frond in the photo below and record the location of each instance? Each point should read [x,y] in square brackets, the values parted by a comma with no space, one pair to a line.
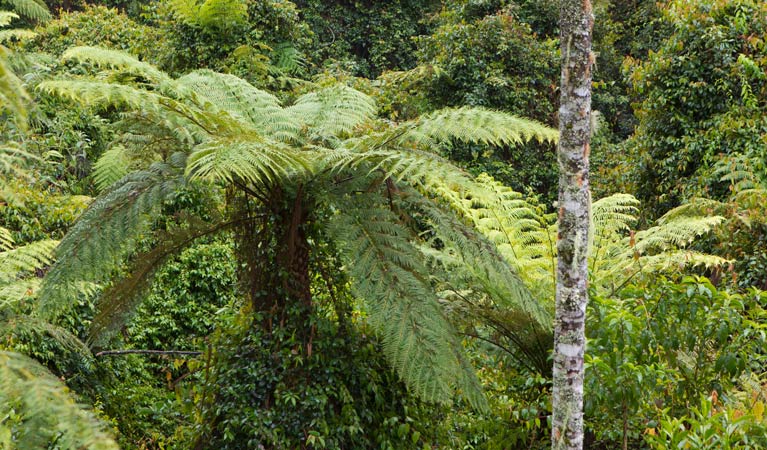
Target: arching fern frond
[26,325]
[46,410]
[114,59]
[26,258]
[619,255]
[473,124]
[111,166]
[615,213]
[519,228]
[244,102]
[676,233]
[6,239]
[13,98]
[102,94]
[163,108]
[287,58]
[485,267]
[16,34]
[741,171]
[6,17]
[31,9]
[106,233]
[247,158]
[388,273]
[332,111]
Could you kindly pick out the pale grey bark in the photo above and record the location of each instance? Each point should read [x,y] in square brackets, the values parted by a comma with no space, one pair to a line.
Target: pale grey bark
[576,21]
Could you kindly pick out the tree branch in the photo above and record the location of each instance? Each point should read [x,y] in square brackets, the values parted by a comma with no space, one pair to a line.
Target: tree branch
[147,352]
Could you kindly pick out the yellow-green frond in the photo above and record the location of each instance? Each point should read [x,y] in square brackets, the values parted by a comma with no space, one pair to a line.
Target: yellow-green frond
[487,270]
[116,60]
[16,34]
[39,411]
[13,98]
[249,158]
[333,111]
[102,94]
[31,9]
[6,239]
[677,233]
[211,15]
[26,258]
[472,124]
[6,17]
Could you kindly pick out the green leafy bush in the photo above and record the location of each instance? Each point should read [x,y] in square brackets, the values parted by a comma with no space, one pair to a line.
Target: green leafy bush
[486,61]
[368,37]
[702,95]
[101,26]
[655,350]
[271,390]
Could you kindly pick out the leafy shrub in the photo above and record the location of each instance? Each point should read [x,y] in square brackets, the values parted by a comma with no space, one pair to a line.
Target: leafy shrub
[711,425]
[257,40]
[702,95]
[658,348]
[272,390]
[370,36]
[485,61]
[97,26]
[35,214]
[181,308]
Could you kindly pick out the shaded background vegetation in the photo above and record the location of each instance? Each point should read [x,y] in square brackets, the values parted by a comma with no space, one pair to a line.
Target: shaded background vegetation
[681,90]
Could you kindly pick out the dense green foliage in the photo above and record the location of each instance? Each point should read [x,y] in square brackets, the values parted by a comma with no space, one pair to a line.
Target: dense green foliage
[334,207]
[702,98]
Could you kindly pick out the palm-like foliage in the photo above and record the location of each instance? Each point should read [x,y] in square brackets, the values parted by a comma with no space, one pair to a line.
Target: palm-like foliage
[37,410]
[30,9]
[13,98]
[382,187]
[618,254]
[526,236]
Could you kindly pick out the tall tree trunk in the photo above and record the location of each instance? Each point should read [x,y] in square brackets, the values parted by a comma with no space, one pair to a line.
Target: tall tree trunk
[576,21]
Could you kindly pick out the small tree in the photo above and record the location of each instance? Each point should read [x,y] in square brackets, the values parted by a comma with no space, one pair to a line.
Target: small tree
[576,21]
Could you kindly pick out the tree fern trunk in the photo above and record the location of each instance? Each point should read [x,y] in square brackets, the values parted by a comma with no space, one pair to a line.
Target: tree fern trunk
[275,260]
[576,22]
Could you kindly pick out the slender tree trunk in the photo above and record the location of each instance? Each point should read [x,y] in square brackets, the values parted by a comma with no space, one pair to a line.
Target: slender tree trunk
[576,21]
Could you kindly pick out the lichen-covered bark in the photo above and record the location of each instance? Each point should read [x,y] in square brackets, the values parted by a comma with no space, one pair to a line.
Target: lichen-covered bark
[576,21]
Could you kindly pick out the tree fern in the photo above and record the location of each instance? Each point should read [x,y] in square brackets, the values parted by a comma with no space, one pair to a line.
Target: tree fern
[283,167]
[211,15]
